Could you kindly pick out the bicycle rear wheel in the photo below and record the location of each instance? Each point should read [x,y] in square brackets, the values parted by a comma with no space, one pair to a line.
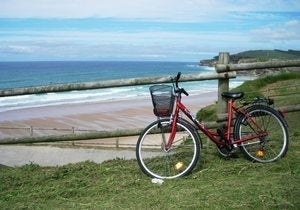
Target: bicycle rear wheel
[157,161]
[266,148]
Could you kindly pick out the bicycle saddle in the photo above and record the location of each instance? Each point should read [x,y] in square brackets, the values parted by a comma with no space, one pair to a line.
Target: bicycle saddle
[236,95]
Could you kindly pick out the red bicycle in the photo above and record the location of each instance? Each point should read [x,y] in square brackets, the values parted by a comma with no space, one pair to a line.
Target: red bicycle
[170,146]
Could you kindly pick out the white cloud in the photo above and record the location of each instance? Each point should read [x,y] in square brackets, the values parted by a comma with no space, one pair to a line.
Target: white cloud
[293,23]
[142,9]
[93,8]
[171,10]
[151,45]
[287,31]
[219,25]
[16,49]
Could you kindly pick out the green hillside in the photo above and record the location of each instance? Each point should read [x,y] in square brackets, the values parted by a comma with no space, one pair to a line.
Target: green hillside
[264,55]
[256,56]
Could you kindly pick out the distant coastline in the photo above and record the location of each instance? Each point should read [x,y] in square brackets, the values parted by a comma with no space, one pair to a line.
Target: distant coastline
[252,56]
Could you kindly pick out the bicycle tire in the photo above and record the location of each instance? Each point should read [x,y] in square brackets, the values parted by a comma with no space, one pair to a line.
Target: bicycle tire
[179,161]
[266,148]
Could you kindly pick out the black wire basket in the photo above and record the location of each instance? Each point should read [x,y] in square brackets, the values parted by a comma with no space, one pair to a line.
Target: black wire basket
[163,100]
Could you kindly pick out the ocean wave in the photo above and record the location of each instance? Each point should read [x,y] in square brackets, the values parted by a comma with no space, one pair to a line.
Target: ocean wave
[101,95]
[202,68]
[192,65]
[71,97]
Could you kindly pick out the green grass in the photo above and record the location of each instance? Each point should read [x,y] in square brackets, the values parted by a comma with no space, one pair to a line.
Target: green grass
[283,88]
[215,183]
[254,88]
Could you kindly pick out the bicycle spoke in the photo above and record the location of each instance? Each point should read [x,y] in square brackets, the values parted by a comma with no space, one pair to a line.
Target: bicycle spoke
[177,161]
[271,138]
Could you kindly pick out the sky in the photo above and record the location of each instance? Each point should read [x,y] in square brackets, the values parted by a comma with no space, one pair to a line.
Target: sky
[144,30]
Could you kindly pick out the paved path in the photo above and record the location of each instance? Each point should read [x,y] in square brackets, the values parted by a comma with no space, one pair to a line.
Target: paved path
[18,155]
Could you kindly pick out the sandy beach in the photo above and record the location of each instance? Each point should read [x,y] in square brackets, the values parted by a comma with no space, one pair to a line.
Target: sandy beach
[112,115]
[127,114]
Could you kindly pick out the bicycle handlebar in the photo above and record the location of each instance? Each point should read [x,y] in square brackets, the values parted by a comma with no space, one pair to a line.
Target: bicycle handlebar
[177,79]
[180,90]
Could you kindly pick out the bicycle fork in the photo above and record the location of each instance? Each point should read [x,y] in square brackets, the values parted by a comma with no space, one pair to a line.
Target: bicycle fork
[167,142]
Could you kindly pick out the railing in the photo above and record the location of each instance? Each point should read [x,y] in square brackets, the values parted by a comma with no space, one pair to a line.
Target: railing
[111,84]
[224,72]
[224,65]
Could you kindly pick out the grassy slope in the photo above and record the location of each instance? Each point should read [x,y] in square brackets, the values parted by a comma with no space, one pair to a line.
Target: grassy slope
[264,55]
[281,87]
[216,183]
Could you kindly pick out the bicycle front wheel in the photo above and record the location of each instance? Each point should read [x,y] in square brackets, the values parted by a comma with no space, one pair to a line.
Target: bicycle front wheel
[270,146]
[178,160]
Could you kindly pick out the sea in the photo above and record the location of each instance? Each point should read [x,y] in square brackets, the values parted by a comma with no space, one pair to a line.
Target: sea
[33,74]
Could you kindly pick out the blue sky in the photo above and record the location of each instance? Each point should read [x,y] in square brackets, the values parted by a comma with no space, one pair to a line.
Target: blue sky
[160,30]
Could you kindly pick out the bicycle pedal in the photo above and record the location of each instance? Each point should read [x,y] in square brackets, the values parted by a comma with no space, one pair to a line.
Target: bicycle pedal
[234,153]
[233,150]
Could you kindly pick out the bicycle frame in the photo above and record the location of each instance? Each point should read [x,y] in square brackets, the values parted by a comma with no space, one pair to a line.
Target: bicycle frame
[212,135]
